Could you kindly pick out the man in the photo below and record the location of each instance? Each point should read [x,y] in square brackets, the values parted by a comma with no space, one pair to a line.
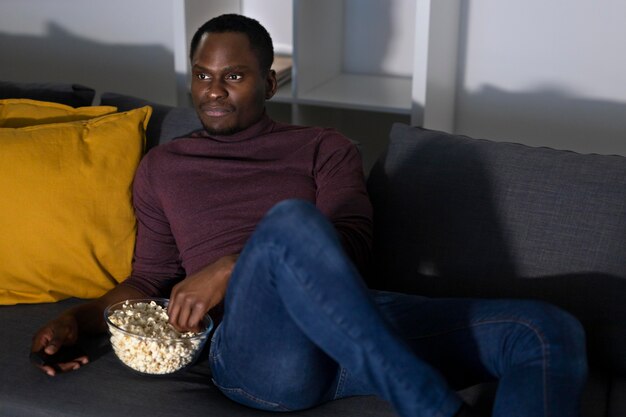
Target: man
[270,224]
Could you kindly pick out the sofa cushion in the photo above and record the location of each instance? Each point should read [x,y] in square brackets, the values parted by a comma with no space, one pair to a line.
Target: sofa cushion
[22,112]
[74,95]
[456,216]
[166,123]
[68,226]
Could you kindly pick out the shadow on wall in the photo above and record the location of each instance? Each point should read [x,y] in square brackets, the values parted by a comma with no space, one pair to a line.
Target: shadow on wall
[367,46]
[548,117]
[145,71]
[434,215]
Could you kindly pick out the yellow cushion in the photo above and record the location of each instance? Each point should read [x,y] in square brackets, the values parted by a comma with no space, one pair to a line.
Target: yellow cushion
[21,112]
[67,223]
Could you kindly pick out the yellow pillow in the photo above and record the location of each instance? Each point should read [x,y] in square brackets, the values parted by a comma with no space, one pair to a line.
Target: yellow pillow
[21,112]
[67,223]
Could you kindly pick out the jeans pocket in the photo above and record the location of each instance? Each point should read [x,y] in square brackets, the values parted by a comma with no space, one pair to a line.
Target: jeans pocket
[229,385]
[243,397]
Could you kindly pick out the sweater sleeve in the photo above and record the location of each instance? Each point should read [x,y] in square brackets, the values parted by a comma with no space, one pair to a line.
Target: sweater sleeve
[156,261]
[341,195]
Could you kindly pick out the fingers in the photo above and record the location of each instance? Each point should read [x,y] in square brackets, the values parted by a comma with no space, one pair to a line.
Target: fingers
[41,340]
[53,347]
[185,314]
[50,369]
[46,340]
[182,321]
[195,319]
[173,309]
[53,342]
[55,368]
[67,359]
[58,332]
[181,316]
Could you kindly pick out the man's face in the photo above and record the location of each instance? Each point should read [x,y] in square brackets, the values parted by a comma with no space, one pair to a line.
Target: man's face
[228,87]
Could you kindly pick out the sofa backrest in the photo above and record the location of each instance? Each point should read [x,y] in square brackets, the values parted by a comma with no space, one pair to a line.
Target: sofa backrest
[456,216]
[74,95]
[166,122]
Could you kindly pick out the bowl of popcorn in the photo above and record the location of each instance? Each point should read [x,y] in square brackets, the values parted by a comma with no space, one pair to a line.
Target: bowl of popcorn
[143,339]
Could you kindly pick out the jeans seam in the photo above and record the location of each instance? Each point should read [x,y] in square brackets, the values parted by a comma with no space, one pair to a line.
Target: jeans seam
[213,351]
[544,347]
[342,380]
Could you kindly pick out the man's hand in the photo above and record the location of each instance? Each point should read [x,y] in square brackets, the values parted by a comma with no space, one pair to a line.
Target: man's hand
[52,346]
[51,339]
[193,297]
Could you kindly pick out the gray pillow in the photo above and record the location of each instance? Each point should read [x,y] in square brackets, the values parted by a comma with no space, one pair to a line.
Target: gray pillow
[456,216]
[74,95]
[166,122]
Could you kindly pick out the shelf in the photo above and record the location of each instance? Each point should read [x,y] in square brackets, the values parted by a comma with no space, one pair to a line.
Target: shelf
[362,92]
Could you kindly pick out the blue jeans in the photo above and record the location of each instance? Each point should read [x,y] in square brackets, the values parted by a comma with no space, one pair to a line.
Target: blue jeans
[300,328]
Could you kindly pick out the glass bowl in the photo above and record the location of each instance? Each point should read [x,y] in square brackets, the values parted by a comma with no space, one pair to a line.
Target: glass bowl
[143,340]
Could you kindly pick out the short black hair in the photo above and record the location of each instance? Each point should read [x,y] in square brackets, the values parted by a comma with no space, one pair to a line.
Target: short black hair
[260,39]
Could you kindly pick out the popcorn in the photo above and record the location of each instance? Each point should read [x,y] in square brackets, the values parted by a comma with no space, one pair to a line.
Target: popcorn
[155,346]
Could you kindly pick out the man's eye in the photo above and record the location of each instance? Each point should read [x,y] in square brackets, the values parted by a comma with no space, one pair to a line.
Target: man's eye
[234,77]
[202,76]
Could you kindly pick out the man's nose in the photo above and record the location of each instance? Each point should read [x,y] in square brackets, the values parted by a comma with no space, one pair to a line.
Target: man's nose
[217,90]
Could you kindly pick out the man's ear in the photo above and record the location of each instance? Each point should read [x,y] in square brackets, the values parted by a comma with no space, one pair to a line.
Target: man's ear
[271,85]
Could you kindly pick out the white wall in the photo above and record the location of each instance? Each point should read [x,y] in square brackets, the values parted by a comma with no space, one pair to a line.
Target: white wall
[539,72]
[544,73]
[277,17]
[375,37]
[114,45]
[136,47]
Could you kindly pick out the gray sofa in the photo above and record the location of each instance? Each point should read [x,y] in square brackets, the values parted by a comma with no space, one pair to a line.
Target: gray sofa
[454,216]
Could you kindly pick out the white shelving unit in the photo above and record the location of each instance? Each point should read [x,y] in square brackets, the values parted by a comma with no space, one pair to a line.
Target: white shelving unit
[327,87]
[320,60]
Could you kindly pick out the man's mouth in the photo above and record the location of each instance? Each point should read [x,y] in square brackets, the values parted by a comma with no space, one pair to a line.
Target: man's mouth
[213,111]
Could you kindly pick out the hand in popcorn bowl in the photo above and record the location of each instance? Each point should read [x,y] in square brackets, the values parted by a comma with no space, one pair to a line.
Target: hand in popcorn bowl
[143,339]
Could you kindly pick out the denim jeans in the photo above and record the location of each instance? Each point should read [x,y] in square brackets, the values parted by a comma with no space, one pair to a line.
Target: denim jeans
[300,328]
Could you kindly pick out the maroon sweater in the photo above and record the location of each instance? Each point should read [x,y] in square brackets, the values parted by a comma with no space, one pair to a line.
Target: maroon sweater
[199,198]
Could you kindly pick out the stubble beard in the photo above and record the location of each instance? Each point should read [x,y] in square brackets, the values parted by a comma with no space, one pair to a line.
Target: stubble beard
[221,132]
